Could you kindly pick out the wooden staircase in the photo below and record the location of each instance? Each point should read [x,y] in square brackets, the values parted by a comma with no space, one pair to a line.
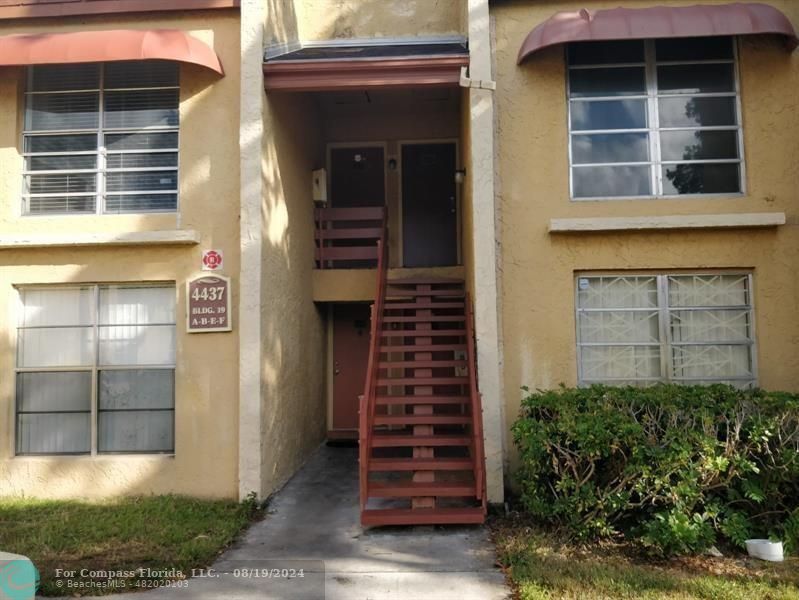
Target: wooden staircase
[421,440]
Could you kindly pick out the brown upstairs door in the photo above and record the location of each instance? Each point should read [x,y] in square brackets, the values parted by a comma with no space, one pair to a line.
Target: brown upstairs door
[429,206]
[350,357]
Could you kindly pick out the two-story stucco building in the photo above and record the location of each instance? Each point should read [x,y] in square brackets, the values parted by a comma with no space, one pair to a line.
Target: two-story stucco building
[401,211]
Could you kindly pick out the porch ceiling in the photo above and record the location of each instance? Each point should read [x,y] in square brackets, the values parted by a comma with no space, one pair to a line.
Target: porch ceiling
[330,68]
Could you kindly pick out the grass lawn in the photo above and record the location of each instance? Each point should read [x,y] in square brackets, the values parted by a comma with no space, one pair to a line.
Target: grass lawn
[159,533]
[540,567]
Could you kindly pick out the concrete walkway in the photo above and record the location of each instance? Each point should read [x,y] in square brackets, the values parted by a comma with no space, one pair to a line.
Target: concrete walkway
[312,529]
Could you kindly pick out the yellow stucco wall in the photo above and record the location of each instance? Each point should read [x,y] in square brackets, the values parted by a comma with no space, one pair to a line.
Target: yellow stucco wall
[282,23]
[293,327]
[336,19]
[206,448]
[538,268]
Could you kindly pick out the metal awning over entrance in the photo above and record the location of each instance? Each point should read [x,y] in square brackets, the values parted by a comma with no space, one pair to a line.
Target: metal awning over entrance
[327,68]
[740,18]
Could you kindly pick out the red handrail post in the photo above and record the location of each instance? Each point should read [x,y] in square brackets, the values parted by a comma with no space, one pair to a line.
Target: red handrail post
[368,401]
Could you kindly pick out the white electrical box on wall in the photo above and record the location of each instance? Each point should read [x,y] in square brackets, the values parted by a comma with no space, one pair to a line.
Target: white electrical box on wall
[320,185]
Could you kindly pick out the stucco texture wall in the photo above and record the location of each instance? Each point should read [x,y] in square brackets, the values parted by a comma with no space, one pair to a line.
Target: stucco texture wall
[538,268]
[292,326]
[282,24]
[206,405]
[341,19]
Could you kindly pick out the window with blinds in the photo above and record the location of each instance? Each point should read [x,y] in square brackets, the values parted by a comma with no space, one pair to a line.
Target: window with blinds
[101,138]
[96,370]
[642,329]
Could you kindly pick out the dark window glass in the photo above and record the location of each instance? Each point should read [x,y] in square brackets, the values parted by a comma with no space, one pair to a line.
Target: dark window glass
[624,81]
[704,48]
[59,78]
[62,163]
[696,79]
[608,114]
[144,140]
[118,203]
[599,182]
[701,179]
[65,183]
[136,411]
[49,112]
[61,204]
[140,109]
[698,145]
[60,143]
[610,148]
[141,181]
[701,111]
[141,74]
[604,53]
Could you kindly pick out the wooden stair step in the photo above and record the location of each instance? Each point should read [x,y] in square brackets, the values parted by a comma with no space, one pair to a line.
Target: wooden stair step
[353,233]
[384,381]
[393,400]
[412,293]
[421,280]
[411,489]
[421,364]
[428,333]
[402,305]
[421,464]
[386,348]
[422,420]
[426,319]
[419,441]
[423,516]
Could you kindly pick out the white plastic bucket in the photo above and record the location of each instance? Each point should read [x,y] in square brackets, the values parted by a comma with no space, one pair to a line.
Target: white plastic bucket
[765,550]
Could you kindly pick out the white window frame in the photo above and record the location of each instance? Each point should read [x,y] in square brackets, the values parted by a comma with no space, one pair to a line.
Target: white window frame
[100,195]
[664,330]
[655,163]
[94,369]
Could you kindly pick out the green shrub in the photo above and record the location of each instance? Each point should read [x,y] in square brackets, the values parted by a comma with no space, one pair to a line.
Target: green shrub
[678,468]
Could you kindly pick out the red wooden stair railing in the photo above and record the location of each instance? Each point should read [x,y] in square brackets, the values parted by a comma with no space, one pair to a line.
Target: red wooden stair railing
[421,435]
[346,237]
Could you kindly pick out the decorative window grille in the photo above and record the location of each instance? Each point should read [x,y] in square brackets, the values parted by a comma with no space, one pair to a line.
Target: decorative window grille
[642,329]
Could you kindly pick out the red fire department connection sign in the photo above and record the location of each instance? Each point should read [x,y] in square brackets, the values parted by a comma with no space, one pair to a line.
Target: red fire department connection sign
[208,305]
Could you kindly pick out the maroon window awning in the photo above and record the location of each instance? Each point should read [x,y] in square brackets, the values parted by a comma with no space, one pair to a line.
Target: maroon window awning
[741,18]
[102,46]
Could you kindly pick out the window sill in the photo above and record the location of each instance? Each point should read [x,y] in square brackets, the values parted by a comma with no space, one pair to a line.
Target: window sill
[175,237]
[85,457]
[667,222]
